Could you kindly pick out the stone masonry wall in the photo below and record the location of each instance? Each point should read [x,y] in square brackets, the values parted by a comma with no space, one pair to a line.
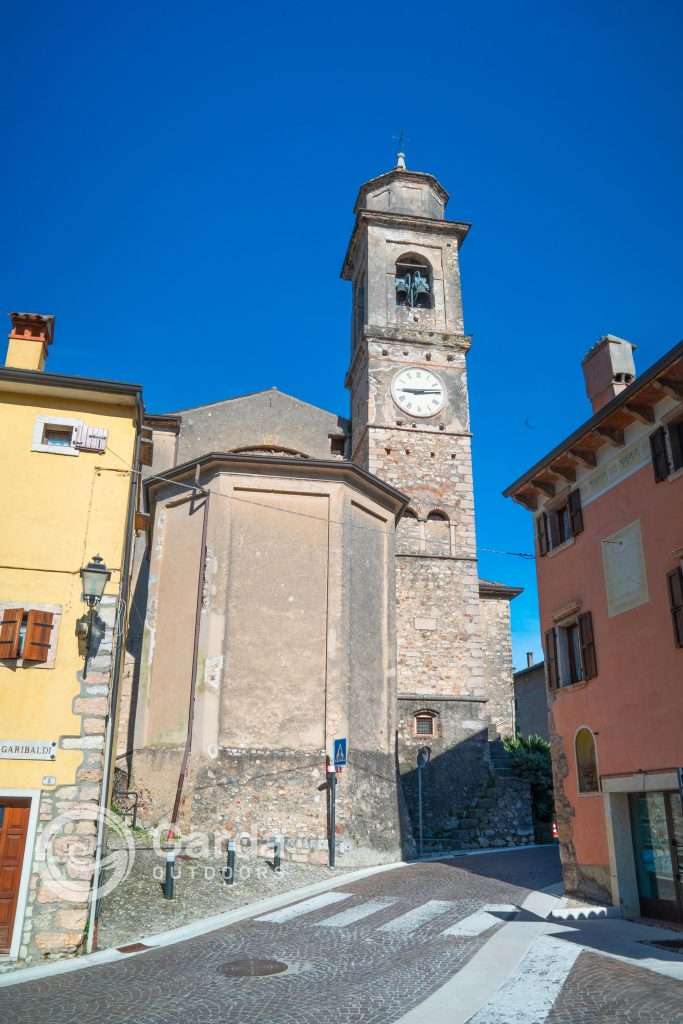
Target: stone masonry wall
[437,615]
[254,794]
[584,881]
[64,858]
[497,653]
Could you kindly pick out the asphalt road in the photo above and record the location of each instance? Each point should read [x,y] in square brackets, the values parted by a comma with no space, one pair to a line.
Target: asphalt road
[370,951]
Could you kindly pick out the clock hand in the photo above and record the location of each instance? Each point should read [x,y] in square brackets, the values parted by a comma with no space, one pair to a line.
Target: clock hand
[421,391]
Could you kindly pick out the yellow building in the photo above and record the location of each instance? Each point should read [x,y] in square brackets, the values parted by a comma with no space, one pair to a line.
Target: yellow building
[68,464]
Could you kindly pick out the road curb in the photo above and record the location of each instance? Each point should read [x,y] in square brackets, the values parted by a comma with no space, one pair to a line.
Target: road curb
[203,926]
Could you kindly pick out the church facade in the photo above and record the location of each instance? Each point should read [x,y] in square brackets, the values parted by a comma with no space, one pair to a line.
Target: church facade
[302,577]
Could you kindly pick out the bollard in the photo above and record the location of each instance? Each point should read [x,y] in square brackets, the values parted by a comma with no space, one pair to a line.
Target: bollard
[169,880]
[277,852]
[229,873]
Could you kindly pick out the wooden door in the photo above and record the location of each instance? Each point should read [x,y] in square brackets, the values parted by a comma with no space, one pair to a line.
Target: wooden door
[13,828]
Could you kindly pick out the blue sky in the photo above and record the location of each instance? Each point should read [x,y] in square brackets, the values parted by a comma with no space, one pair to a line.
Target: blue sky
[179,183]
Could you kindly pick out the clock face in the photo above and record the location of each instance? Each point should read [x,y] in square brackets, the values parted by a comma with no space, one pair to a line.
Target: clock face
[418,392]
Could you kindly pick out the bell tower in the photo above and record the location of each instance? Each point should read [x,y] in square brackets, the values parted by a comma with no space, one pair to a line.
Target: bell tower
[410,421]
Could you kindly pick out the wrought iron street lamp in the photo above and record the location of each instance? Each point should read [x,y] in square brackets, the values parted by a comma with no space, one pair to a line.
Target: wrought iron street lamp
[95,576]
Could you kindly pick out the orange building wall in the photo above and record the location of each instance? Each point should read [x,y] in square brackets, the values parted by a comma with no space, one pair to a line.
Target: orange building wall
[635,703]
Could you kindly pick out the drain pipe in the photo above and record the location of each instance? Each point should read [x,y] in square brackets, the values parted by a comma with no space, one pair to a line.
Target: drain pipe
[193,678]
[119,629]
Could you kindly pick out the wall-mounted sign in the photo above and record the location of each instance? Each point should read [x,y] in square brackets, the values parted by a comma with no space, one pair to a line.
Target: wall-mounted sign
[28,750]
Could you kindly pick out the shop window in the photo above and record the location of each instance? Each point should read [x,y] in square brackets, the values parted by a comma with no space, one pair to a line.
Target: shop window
[586,762]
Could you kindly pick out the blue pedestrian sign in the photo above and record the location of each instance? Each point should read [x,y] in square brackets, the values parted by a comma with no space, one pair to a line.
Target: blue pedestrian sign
[340,752]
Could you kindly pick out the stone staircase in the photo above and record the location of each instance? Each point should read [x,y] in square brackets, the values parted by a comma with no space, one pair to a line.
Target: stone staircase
[499,815]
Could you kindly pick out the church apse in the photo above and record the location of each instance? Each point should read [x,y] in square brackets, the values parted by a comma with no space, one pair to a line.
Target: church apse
[296,645]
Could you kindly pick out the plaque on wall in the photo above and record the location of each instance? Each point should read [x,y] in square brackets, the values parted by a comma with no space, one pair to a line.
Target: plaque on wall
[28,750]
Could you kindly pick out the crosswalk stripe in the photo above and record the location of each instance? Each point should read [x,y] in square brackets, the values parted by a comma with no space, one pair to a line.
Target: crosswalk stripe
[354,914]
[487,917]
[411,920]
[307,907]
[528,996]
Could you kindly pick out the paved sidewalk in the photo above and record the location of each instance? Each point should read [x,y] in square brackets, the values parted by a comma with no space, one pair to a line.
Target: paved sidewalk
[137,907]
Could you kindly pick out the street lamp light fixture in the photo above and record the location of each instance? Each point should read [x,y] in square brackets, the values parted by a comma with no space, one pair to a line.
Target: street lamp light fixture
[95,576]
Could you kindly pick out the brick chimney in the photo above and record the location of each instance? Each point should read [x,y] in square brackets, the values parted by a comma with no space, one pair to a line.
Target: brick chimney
[29,337]
[608,368]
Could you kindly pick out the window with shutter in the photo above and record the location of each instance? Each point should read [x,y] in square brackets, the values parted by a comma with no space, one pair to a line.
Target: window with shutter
[676,442]
[90,439]
[38,636]
[542,530]
[575,512]
[675,579]
[10,631]
[551,658]
[588,658]
[660,455]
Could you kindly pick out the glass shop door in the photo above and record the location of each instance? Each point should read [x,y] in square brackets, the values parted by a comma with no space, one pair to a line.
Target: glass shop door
[657,830]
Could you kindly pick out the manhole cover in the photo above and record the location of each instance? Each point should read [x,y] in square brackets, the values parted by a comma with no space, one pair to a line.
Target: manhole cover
[252,968]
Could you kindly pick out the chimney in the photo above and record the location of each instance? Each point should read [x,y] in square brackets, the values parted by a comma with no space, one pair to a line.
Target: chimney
[608,368]
[529,659]
[29,337]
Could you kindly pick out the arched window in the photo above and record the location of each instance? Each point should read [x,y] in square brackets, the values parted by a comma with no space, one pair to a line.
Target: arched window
[413,281]
[426,722]
[438,533]
[408,532]
[586,762]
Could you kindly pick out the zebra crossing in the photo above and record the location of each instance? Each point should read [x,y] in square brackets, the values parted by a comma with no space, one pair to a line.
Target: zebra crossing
[405,923]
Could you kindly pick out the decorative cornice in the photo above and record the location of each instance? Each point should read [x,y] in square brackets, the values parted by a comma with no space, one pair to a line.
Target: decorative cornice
[424,225]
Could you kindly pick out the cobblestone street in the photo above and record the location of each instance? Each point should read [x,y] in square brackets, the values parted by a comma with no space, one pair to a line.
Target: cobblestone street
[380,949]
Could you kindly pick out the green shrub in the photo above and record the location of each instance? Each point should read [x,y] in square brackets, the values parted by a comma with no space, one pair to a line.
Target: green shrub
[530,760]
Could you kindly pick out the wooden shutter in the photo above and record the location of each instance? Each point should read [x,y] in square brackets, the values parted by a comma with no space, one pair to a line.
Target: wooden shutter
[660,456]
[97,439]
[575,512]
[38,636]
[590,665]
[551,659]
[676,442]
[542,530]
[675,579]
[9,632]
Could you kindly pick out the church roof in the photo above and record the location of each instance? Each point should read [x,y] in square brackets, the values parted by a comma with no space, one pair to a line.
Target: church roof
[491,588]
[396,173]
[250,462]
[252,394]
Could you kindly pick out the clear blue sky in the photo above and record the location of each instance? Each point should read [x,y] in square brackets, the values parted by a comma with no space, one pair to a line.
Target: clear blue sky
[179,183]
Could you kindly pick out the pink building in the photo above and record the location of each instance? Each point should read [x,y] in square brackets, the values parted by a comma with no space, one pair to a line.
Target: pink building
[608,516]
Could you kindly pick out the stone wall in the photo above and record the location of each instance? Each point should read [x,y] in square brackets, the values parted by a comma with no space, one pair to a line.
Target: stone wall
[64,859]
[437,616]
[584,881]
[531,701]
[459,765]
[497,655]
